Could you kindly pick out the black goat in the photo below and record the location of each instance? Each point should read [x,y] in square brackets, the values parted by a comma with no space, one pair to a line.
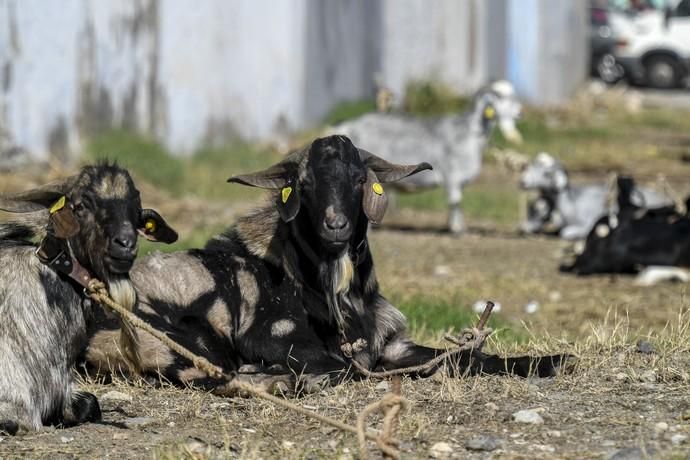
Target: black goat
[288,284]
[634,238]
[91,230]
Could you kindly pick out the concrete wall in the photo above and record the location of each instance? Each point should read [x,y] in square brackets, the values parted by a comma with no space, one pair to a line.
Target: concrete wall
[547,48]
[191,72]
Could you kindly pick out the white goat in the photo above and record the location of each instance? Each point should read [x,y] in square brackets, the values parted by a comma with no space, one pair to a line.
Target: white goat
[453,144]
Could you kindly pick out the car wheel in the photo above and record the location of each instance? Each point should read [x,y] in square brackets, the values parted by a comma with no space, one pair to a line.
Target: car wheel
[608,69]
[662,72]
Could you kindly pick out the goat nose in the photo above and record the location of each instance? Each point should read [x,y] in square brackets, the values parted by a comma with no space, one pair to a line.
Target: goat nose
[125,241]
[336,222]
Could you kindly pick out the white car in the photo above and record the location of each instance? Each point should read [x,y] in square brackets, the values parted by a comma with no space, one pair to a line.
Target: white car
[653,46]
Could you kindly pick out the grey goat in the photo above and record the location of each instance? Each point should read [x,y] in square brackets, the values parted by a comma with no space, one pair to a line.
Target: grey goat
[572,210]
[90,231]
[452,144]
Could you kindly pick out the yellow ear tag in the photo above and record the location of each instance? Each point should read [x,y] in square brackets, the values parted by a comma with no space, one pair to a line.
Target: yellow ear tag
[59,204]
[378,188]
[285,193]
[489,112]
[150,225]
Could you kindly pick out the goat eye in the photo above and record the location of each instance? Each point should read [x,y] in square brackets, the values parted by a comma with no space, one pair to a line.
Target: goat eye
[78,207]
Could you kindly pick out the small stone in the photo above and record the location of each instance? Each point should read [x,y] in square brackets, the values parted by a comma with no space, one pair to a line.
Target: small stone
[120,436]
[532,307]
[644,347]
[608,443]
[660,427]
[442,270]
[441,450]
[553,434]
[678,439]
[555,296]
[621,376]
[138,422]
[383,385]
[65,439]
[116,396]
[287,445]
[491,406]
[632,453]
[528,416]
[483,443]
[649,376]
[220,405]
[544,448]
[196,446]
[171,424]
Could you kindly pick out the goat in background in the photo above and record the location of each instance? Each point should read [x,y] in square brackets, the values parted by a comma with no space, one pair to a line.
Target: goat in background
[453,144]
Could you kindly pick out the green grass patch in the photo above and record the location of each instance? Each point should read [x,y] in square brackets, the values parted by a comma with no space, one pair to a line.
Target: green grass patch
[480,201]
[203,174]
[428,316]
[195,239]
[429,98]
[349,110]
[143,156]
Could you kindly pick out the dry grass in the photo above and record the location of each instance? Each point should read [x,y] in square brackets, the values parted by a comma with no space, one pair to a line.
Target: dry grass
[613,400]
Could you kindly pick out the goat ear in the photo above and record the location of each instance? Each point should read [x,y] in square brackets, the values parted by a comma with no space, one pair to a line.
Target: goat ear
[374,200]
[390,172]
[154,228]
[274,178]
[288,202]
[33,200]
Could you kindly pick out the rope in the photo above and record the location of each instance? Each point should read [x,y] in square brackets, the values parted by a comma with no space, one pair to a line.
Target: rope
[673,195]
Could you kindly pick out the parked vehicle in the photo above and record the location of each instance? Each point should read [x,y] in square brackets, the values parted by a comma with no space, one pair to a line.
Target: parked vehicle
[653,45]
[603,63]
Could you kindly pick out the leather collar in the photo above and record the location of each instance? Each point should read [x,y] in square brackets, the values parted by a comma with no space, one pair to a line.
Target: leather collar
[56,254]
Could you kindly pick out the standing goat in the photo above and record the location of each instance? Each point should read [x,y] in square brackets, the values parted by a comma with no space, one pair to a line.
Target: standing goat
[575,208]
[90,230]
[453,144]
[283,289]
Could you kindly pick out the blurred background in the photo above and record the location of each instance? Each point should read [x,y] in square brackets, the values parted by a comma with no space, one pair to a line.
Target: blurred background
[188,93]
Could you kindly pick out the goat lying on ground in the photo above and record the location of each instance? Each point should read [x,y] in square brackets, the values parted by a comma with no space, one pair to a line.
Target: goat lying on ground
[453,144]
[542,216]
[91,229]
[634,238]
[578,207]
[288,284]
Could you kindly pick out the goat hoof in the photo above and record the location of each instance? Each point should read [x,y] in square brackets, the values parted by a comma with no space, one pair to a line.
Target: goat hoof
[85,408]
[9,427]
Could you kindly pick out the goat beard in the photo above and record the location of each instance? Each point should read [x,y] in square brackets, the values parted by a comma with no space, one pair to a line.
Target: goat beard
[122,292]
[336,276]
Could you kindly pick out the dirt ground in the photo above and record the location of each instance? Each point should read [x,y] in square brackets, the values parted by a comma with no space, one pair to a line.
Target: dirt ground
[616,399]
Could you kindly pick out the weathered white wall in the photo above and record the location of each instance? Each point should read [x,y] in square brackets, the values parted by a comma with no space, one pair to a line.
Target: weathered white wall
[191,72]
[547,51]
[442,39]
